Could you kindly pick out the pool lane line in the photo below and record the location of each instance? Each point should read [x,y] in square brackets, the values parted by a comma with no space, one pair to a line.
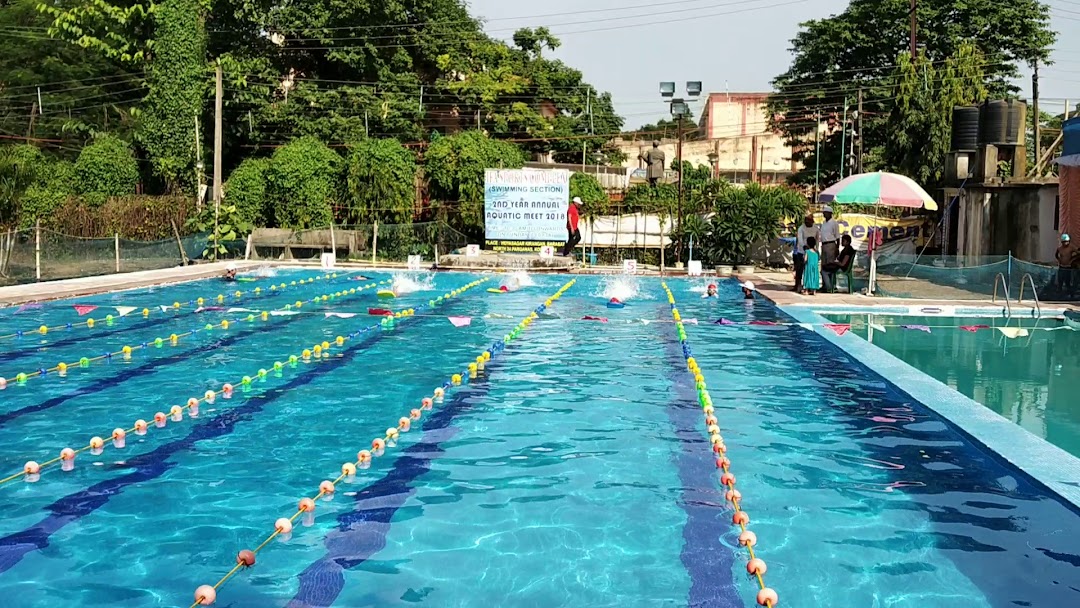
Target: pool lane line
[91,323]
[153,464]
[32,470]
[62,368]
[207,594]
[766,596]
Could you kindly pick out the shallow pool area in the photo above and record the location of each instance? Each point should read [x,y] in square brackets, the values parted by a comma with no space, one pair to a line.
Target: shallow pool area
[570,467]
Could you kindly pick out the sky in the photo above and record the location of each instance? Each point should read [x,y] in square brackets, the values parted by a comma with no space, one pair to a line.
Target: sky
[627,47]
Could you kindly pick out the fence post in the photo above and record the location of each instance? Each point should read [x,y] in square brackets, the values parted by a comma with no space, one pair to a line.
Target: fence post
[247,251]
[116,245]
[37,249]
[374,241]
[333,240]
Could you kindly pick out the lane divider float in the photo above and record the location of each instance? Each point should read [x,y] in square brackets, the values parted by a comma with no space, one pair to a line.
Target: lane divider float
[62,368]
[162,309]
[32,470]
[207,594]
[766,596]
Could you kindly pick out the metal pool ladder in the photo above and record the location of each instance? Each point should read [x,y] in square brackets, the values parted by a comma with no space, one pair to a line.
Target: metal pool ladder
[1000,279]
[1034,294]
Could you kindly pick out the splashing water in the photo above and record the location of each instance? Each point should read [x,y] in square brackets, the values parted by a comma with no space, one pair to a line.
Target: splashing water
[518,279]
[265,271]
[408,283]
[623,287]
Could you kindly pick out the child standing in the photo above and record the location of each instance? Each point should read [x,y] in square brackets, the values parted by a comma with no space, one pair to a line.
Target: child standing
[812,272]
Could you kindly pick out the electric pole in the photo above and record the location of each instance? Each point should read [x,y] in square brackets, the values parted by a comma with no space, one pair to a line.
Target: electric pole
[914,23]
[217,153]
[859,134]
[678,154]
[1035,112]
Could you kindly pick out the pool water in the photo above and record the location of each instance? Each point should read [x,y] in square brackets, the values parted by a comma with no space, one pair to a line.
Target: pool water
[575,471]
[1032,380]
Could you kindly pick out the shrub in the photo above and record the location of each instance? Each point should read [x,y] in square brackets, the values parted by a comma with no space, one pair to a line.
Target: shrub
[19,168]
[381,181]
[302,183]
[246,190]
[47,195]
[106,168]
[594,200]
[741,217]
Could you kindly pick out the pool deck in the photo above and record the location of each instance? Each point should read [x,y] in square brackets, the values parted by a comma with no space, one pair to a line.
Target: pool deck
[1049,465]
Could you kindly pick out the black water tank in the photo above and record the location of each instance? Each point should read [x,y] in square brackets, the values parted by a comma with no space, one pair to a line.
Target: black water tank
[993,122]
[965,128]
[1016,128]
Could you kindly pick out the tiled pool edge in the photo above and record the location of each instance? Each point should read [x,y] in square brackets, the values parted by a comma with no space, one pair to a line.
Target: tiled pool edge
[1046,463]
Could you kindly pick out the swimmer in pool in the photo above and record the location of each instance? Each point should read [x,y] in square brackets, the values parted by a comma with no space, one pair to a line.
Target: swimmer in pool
[230,273]
[747,290]
[710,291]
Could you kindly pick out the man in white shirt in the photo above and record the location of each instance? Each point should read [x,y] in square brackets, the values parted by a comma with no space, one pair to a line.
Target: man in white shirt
[808,229]
[830,248]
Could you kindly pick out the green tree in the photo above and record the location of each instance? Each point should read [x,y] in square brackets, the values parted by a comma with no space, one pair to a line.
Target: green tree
[55,184]
[302,184]
[246,190]
[455,168]
[105,168]
[19,166]
[837,56]
[736,217]
[381,177]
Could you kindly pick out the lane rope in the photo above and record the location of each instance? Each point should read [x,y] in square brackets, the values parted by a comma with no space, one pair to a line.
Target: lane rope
[161,309]
[207,594]
[62,368]
[766,596]
[31,471]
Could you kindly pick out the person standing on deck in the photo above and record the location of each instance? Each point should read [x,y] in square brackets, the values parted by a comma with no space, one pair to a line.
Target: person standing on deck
[807,230]
[830,248]
[1068,257]
[574,235]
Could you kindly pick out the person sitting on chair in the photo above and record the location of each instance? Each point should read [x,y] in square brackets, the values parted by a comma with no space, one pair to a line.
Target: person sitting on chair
[843,261]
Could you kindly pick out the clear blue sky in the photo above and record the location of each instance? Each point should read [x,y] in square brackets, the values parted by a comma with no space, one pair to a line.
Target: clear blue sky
[625,46]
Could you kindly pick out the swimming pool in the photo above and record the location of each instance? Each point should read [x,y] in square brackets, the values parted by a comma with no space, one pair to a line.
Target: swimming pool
[574,471]
[1033,379]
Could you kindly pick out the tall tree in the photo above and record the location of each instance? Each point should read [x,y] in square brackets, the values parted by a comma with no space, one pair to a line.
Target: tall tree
[837,56]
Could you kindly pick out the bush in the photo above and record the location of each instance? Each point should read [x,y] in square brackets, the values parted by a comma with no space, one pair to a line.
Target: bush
[138,217]
[47,195]
[246,190]
[302,183]
[106,168]
[381,182]
[594,200]
[19,168]
[741,217]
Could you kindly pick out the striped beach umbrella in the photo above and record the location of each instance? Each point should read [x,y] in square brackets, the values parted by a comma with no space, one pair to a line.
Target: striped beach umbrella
[879,188]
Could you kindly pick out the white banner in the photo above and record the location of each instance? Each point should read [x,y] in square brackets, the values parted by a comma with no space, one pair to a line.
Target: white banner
[525,209]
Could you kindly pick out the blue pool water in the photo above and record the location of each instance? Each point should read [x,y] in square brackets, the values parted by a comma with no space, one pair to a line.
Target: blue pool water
[574,472]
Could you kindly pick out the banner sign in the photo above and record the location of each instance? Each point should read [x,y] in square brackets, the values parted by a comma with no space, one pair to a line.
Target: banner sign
[859,226]
[525,209]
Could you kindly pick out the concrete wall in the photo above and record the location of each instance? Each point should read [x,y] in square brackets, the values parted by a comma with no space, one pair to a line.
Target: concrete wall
[1016,218]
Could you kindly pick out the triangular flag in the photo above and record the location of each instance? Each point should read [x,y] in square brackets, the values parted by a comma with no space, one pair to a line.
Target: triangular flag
[690,321]
[164,308]
[211,308]
[1013,332]
[925,328]
[839,328]
[85,309]
[28,306]
[495,315]
[592,318]
[645,321]
[460,321]
[762,322]
[233,309]
[878,327]
[806,326]
[124,311]
[723,321]
[974,328]
[283,313]
[341,315]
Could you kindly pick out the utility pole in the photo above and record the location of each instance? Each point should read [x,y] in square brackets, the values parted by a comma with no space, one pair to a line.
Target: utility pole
[678,154]
[1035,111]
[859,132]
[217,154]
[843,138]
[198,168]
[817,154]
[914,24]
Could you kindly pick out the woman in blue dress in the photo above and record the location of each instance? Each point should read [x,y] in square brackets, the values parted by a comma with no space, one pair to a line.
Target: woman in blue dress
[812,272]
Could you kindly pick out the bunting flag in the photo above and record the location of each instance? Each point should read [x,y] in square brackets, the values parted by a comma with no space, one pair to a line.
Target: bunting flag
[84,309]
[839,328]
[164,308]
[124,311]
[974,328]
[283,313]
[232,310]
[1013,332]
[495,315]
[211,308]
[690,321]
[723,321]
[460,321]
[592,318]
[28,306]
[807,326]
[763,323]
[379,311]
[341,315]
[645,321]
[925,328]
[878,327]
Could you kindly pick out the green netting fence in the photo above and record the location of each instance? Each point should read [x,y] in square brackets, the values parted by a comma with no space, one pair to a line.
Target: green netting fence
[361,242]
[33,255]
[967,278]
